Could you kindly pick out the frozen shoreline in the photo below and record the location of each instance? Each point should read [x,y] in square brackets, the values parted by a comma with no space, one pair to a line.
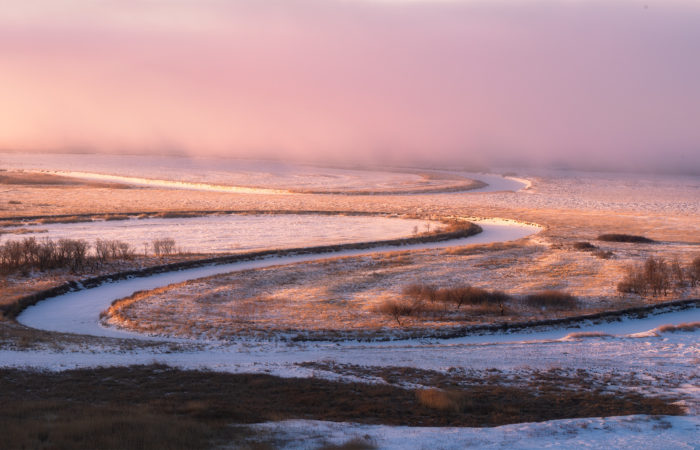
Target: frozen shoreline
[494,183]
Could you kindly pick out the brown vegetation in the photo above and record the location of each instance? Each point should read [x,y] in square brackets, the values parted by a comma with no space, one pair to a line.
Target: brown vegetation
[73,254]
[686,326]
[398,308]
[584,246]
[158,407]
[552,300]
[448,401]
[457,295]
[657,277]
[615,237]
[423,300]
[163,246]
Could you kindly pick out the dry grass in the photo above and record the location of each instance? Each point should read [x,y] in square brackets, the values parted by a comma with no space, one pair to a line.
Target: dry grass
[69,219]
[586,334]
[480,249]
[688,326]
[163,408]
[447,401]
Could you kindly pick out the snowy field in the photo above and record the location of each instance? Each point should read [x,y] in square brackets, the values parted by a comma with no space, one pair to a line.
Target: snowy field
[234,233]
[233,175]
[645,355]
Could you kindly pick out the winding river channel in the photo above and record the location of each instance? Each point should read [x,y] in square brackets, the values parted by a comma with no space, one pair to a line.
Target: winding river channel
[78,312]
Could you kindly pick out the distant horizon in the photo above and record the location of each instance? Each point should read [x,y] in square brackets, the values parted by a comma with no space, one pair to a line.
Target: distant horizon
[378,165]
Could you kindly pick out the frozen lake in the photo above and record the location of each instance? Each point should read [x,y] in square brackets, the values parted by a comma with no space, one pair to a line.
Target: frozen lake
[235,233]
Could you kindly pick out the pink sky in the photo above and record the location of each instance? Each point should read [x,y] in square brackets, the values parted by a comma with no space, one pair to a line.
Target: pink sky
[594,82]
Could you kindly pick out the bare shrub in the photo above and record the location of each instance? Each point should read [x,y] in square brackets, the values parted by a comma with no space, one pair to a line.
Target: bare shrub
[657,277]
[419,291]
[74,254]
[678,273]
[398,308]
[106,250]
[693,272]
[633,282]
[657,274]
[469,295]
[102,252]
[163,246]
[552,300]
[125,251]
[458,295]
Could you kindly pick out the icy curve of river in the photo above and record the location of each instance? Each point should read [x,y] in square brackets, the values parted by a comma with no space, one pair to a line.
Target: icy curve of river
[78,312]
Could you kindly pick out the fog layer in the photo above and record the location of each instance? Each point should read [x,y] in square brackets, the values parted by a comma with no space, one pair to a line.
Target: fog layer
[592,84]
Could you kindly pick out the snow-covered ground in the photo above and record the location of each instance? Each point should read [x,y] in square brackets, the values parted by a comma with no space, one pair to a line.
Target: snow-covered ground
[225,171]
[234,233]
[241,176]
[639,347]
[214,173]
[639,432]
[576,206]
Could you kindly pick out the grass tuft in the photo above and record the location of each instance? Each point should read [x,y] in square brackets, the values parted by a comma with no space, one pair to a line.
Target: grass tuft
[616,237]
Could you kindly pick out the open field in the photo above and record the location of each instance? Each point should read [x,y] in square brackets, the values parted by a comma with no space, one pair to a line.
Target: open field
[343,296]
[320,321]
